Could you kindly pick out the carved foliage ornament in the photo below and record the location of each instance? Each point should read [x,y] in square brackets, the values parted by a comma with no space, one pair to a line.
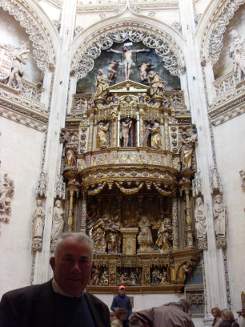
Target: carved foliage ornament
[43,50]
[6,195]
[215,41]
[163,44]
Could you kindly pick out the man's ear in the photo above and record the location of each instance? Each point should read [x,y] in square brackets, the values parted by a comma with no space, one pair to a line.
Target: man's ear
[52,263]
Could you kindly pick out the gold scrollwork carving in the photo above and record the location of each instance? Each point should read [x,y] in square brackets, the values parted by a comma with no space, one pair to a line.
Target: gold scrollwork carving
[129,191]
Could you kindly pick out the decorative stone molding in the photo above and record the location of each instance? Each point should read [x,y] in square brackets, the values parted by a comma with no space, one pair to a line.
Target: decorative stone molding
[22,110]
[43,47]
[213,37]
[6,196]
[228,107]
[163,44]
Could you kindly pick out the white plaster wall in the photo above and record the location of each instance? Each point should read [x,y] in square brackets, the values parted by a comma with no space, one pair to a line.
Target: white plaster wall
[230,152]
[146,301]
[13,34]
[20,155]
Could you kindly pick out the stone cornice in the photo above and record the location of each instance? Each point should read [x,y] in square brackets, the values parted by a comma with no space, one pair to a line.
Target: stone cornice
[228,107]
[23,111]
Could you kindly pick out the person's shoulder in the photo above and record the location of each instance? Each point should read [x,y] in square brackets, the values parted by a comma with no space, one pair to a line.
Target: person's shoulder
[24,292]
[96,300]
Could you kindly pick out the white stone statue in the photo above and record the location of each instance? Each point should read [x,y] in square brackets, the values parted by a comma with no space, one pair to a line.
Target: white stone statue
[237,53]
[38,220]
[102,135]
[145,237]
[17,71]
[200,222]
[219,213]
[58,220]
[127,54]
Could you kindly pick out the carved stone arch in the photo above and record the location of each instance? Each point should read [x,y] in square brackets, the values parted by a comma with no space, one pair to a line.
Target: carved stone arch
[102,39]
[216,24]
[43,36]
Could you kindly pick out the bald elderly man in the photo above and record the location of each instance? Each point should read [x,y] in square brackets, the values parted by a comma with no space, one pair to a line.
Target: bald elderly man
[61,302]
[168,315]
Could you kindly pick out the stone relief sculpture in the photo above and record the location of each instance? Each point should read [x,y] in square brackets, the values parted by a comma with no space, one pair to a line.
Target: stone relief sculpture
[219,213]
[127,55]
[6,195]
[112,71]
[144,237]
[157,85]
[42,185]
[126,132]
[101,83]
[145,68]
[237,53]
[70,159]
[37,226]
[58,221]
[201,226]
[186,150]
[98,236]
[156,136]
[164,235]
[102,134]
[13,67]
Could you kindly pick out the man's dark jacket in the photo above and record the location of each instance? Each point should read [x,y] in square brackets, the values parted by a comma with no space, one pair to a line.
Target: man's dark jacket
[34,306]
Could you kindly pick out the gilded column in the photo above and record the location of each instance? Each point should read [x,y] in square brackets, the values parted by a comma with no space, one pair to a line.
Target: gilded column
[175,224]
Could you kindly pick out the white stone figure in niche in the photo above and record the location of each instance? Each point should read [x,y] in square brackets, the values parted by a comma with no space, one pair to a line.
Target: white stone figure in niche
[187,148]
[237,53]
[112,71]
[145,237]
[101,83]
[58,220]
[157,85]
[17,72]
[201,226]
[164,235]
[126,127]
[42,185]
[102,134]
[6,194]
[38,220]
[127,54]
[104,278]
[219,216]
[70,158]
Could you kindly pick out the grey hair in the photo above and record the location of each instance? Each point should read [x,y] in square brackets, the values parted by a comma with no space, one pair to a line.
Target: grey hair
[79,237]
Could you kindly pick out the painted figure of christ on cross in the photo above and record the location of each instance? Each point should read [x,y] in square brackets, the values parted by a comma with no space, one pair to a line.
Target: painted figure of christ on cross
[127,55]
